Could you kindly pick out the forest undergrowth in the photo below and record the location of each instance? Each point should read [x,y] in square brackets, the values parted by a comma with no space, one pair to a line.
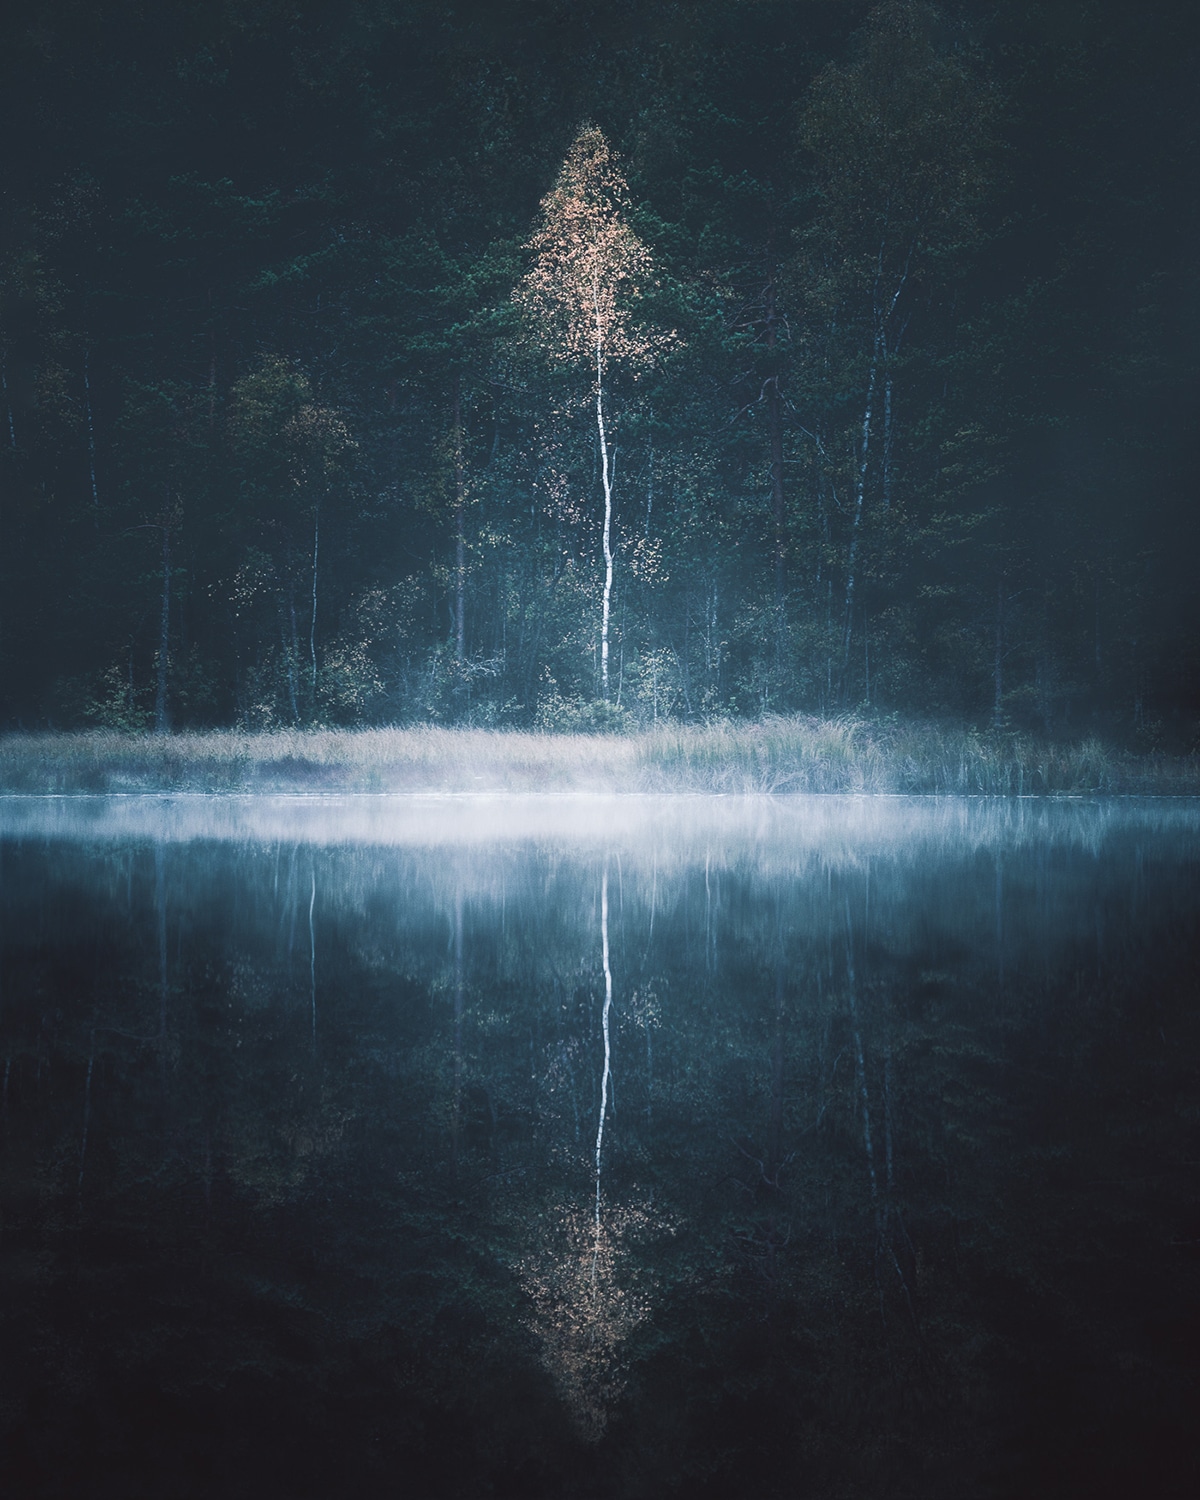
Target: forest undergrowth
[773,755]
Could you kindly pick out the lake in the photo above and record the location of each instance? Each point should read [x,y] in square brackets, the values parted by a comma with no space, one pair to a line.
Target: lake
[599,1146]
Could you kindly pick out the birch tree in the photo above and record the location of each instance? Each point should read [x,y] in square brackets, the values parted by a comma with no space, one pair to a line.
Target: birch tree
[577,298]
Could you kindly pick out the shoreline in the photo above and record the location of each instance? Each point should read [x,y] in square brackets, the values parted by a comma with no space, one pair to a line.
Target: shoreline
[795,754]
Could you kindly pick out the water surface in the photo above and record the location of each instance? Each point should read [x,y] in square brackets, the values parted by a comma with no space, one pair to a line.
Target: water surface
[611,1146]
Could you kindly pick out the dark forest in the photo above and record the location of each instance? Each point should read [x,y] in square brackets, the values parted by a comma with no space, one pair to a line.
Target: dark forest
[897,400]
[526,473]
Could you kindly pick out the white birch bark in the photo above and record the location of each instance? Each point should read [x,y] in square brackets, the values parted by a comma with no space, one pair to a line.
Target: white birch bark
[860,493]
[607,1074]
[312,626]
[460,554]
[606,478]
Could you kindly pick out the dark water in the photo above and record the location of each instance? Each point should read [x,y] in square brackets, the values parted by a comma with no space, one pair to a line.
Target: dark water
[305,1191]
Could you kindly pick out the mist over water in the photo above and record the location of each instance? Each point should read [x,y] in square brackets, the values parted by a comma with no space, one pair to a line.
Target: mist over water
[599,1145]
[725,827]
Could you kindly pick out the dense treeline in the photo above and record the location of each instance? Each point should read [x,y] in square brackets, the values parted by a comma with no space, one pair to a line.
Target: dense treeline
[557,364]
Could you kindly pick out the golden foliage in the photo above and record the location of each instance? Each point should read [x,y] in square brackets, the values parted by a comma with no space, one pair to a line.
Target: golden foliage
[589,267]
[587,1297]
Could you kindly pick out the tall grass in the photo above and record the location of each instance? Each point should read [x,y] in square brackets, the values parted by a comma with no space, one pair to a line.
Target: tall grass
[801,754]
[795,754]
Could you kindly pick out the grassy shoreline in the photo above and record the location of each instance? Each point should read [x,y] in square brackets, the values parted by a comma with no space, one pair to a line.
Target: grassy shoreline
[796,754]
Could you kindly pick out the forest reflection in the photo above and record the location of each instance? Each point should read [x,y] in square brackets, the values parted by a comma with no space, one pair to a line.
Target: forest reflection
[729,1134]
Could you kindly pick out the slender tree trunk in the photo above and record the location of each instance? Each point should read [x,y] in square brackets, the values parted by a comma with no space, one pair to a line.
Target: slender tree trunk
[621,658]
[860,494]
[460,550]
[312,624]
[607,1074]
[161,719]
[292,650]
[775,426]
[91,427]
[712,643]
[607,481]
[649,483]
[998,659]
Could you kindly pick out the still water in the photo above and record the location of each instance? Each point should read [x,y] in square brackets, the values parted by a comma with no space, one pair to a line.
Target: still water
[599,1147]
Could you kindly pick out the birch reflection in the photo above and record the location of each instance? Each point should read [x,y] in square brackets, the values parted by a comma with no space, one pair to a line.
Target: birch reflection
[587,1290]
[312,956]
[606,1076]
[853,1158]
[456,1117]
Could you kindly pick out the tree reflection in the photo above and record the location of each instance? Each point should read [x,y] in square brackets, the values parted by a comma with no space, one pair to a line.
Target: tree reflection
[843,1190]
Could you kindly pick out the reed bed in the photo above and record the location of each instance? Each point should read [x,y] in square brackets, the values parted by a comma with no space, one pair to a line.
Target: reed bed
[775,755]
